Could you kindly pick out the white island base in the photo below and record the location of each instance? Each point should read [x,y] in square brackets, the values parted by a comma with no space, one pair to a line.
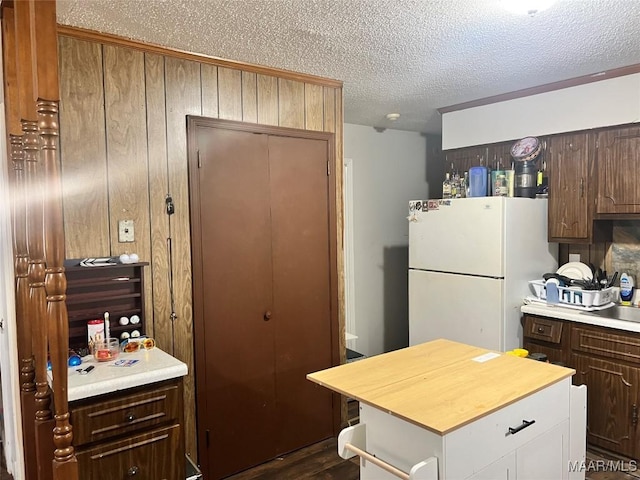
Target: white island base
[481,450]
[446,411]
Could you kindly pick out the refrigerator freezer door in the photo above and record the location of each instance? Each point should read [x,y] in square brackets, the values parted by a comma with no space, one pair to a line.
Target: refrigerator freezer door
[466,236]
[461,308]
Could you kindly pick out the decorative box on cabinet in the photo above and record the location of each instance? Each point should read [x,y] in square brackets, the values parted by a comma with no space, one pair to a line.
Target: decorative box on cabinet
[135,433]
[92,291]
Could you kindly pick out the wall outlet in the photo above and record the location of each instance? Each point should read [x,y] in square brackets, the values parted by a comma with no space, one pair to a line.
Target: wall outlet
[574,257]
[125,231]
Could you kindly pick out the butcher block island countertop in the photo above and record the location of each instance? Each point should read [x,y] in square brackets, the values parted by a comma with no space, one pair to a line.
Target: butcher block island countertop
[440,385]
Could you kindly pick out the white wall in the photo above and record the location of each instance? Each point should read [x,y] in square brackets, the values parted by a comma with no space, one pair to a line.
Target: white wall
[614,101]
[389,168]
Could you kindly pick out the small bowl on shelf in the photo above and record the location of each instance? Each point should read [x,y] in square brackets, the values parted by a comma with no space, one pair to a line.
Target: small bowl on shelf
[106,350]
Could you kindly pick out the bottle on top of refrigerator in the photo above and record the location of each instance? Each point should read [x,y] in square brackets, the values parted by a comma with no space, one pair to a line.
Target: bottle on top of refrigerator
[464,185]
[501,188]
[446,186]
[626,288]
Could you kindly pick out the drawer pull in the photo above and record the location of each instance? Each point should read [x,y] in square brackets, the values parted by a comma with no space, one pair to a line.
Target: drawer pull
[129,417]
[540,329]
[133,471]
[525,424]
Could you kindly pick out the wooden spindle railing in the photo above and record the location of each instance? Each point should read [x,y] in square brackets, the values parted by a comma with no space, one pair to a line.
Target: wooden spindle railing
[21,266]
[31,63]
[64,460]
[36,176]
[23,325]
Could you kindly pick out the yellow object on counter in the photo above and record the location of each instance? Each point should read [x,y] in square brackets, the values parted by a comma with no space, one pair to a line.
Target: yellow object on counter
[518,352]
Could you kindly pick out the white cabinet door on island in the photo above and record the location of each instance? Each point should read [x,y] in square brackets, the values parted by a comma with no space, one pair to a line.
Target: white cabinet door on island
[445,410]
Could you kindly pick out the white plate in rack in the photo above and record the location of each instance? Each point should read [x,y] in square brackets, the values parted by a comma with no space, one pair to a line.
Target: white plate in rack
[576,271]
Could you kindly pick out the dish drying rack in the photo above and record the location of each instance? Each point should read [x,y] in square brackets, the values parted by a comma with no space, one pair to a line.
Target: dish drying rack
[572,297]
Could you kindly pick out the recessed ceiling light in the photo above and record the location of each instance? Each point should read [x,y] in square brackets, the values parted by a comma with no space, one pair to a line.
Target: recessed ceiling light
[393,116]
[527,7]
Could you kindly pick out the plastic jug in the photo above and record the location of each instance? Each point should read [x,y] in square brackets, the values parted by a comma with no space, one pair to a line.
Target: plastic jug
[478,181]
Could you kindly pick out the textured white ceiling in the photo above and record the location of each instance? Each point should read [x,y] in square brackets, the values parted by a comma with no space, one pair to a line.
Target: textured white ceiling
[405,56]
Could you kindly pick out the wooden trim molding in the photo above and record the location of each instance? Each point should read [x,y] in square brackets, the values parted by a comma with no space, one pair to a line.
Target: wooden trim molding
[109,39]
[549,87]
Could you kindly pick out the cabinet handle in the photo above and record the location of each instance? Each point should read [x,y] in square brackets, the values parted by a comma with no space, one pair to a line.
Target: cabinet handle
[581,187]
[129,417]
[525,424]
[540,329]
[133,471]
[267,316]
[634,415]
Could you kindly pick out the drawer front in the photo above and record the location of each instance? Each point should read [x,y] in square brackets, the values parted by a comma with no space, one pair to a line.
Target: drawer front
[149,456]
[611,345]
[553,353]
[125,414]
[543,329]
[471,448]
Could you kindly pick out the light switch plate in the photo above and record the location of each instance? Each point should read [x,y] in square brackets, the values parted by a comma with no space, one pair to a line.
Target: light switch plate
[125,231]
[574,257]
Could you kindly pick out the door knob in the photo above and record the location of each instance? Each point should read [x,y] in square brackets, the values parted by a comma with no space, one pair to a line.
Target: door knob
[133,471]
[267,316]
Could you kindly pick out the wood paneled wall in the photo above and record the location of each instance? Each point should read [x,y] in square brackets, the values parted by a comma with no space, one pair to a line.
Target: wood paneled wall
[123,147]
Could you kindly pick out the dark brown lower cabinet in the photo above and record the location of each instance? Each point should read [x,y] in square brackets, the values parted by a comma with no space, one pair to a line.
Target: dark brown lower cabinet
[612,397]
[607,361]
[148,456]
[131,434]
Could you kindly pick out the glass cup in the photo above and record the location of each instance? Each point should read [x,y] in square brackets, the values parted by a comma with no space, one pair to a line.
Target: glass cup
[106,350]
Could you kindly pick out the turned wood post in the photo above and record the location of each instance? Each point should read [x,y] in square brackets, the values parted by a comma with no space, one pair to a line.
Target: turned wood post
[37,298]
[64,461]
[21,266]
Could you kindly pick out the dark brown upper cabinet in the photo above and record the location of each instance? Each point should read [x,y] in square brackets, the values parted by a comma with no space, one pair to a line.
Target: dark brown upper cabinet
[571,163]
[618,172]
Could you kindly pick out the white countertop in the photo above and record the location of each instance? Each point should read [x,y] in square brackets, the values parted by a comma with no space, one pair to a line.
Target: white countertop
[572,315]
[153,366]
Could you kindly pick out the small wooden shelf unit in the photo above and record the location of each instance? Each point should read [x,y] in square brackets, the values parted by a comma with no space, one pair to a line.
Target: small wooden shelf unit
[92,291]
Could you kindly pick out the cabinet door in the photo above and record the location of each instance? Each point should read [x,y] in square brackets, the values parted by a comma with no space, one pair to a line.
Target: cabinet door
[569,164]
[149,456]
[618,177]
[503,469]
[611,402]
[545,457]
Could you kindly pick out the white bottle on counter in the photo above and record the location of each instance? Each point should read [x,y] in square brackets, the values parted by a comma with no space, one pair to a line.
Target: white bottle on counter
[626,289]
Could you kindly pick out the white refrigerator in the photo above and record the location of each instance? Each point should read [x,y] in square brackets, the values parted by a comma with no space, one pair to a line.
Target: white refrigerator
[470,261]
